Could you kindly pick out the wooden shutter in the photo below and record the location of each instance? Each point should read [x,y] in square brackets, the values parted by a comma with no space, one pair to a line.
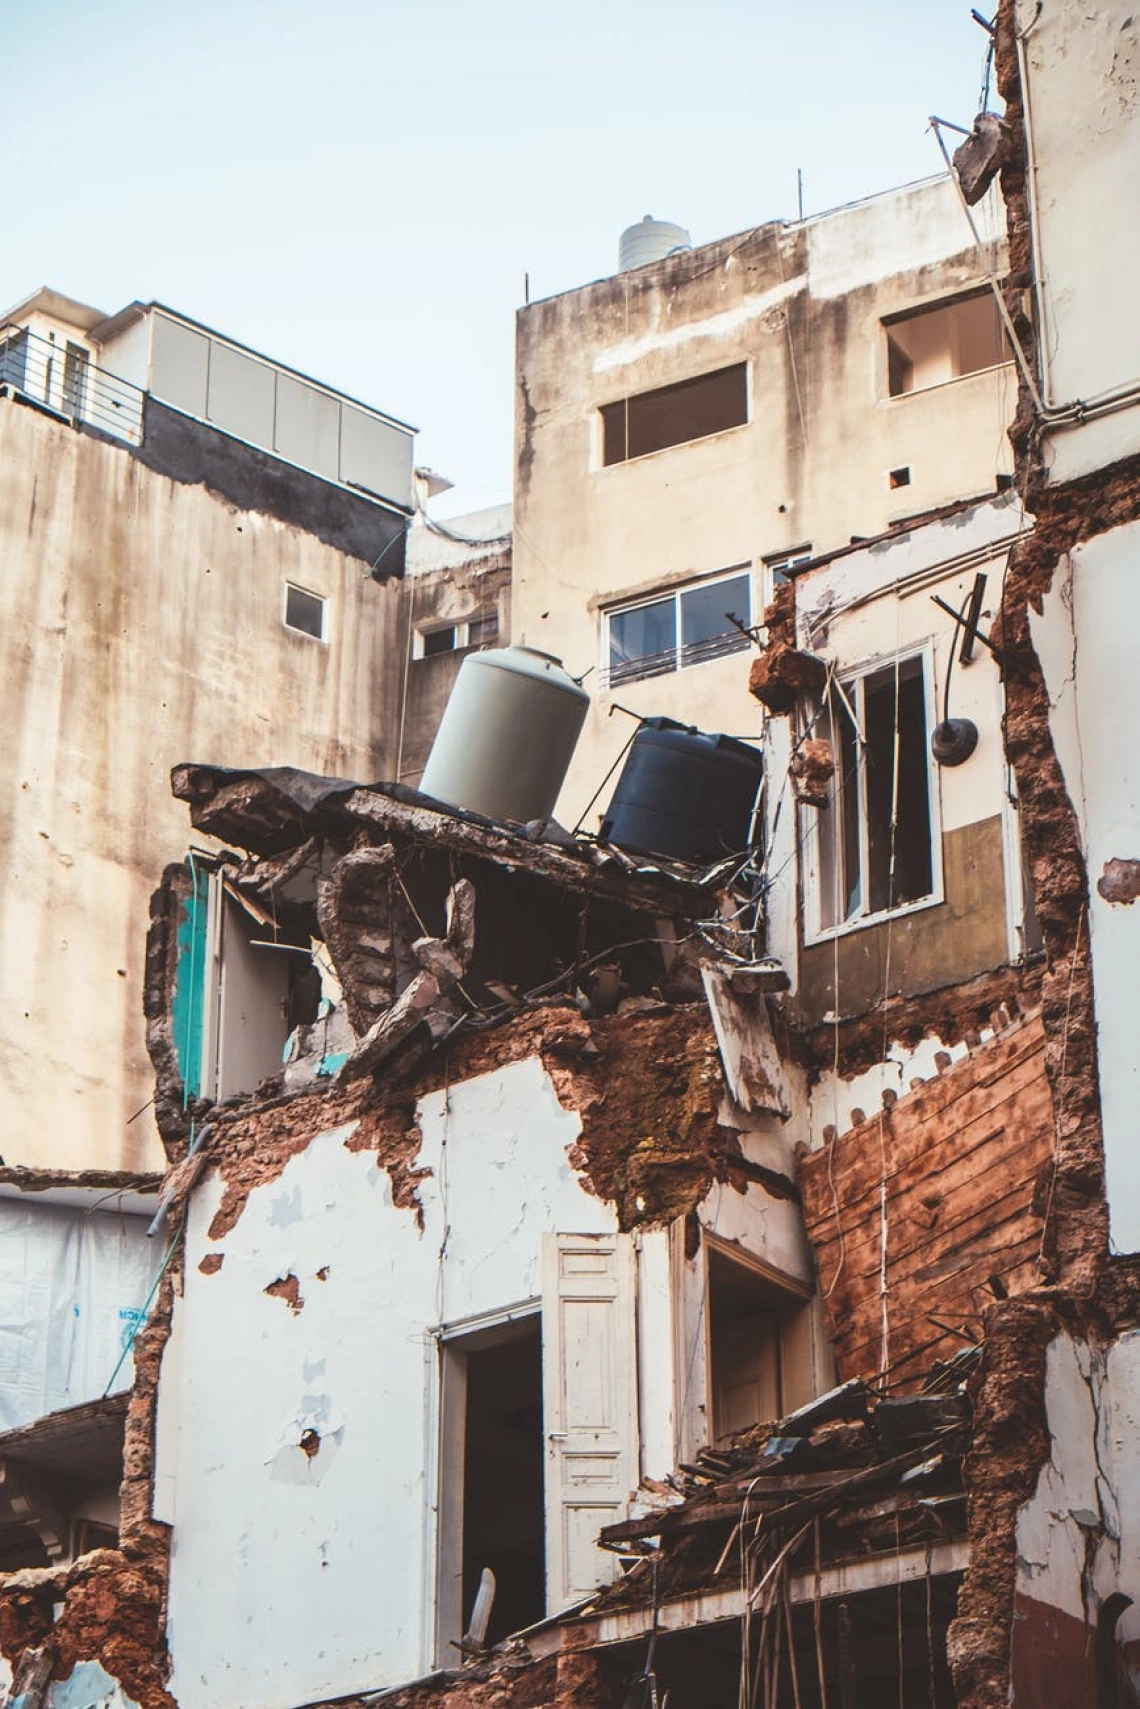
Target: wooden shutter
[589,1358]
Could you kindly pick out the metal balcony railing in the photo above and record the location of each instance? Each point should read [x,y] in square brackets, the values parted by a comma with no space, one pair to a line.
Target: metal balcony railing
[63,378]
[673,659]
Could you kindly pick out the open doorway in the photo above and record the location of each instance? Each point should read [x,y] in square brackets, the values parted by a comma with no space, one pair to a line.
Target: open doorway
[758,1343]
[491,1480]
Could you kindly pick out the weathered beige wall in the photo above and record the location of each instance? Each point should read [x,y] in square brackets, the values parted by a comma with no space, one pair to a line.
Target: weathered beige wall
[803,305]
[140,625]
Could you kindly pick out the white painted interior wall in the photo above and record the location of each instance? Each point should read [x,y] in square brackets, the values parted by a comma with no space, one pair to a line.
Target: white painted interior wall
[1088,1492]
[1080,67]
[1086,640]
[282,1584]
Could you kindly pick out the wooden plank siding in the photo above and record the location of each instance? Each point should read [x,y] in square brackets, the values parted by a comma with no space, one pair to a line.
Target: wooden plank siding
[965,1159]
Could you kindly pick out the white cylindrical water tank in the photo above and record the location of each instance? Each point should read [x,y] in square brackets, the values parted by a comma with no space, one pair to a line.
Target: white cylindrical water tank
[650,240]
[507,734]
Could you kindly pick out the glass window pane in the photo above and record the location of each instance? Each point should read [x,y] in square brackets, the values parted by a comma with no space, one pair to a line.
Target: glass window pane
[908,804]
[643,642]
[304,611]
[704,609]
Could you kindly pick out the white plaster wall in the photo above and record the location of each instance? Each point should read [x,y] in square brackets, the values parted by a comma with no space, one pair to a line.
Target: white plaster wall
[128,355]
[1085,638]
[1121,1426]
[657,1375]
[833,1097]
[872,239]
[294,1578]
[1080,73]
[762,1225]
[87,1686]
[1085,1512]
[1082,67]
[1052,1527]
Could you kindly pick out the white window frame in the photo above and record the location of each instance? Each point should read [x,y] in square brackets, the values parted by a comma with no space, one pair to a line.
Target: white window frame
[735,644]
[933,306]
[811,818]
[462,628]
[309,594]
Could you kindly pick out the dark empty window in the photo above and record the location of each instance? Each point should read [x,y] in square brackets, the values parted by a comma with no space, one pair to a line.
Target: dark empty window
[943,343]
[678,629]
[439,641]
[304,612]
[875,845]
[672,415]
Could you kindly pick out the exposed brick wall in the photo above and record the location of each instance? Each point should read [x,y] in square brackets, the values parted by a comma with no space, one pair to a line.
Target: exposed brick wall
[966,1159]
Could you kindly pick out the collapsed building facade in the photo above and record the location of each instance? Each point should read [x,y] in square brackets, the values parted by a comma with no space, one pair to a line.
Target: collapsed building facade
[734,1255]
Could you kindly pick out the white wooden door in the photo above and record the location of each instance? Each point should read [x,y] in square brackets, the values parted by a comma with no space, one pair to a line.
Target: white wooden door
[589,1380]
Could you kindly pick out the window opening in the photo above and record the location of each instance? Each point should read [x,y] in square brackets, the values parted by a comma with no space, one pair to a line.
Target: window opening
[899,478]
[304,612]
[854,829]
[678,629]
[751,1330]
[674,415]
[943,343]
[264,991]
[780,563]
[439,641]
[482,631]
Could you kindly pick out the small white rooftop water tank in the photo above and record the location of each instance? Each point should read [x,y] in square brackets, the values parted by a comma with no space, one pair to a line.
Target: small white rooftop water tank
[507,735]
[650,240]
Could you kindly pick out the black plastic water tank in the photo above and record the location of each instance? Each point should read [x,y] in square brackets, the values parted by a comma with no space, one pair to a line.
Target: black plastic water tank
[684,795]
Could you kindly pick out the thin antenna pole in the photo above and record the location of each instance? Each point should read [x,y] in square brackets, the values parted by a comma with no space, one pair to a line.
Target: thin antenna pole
[800,190]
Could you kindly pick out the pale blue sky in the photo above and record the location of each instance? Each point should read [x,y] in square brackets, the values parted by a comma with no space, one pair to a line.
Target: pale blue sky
[359,189]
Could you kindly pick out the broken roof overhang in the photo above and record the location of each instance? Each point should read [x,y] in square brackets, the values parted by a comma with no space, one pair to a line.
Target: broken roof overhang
[79,1444]
[84,1189]
[277,808]
[45,1465]
[900,530]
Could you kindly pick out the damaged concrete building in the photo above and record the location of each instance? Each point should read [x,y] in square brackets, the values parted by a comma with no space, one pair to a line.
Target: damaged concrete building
[593,1273]
[202,548]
